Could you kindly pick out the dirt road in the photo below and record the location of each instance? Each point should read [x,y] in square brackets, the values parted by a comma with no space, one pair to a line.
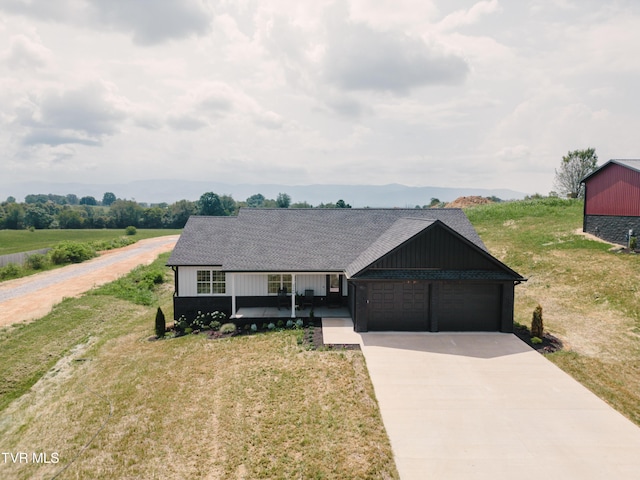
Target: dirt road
[32,297]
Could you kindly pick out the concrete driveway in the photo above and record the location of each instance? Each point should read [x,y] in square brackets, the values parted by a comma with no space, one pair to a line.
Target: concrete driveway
[484,405]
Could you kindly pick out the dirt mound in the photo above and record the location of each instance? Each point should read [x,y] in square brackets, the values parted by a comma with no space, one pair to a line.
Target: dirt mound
[463,202]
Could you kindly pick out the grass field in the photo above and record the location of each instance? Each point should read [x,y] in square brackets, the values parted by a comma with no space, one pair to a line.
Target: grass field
[590,296]
[15,241]
[248,407]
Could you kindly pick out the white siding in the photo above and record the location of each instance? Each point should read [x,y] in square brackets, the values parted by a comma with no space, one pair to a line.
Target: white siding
[253,285]
[187,285]
[249,285]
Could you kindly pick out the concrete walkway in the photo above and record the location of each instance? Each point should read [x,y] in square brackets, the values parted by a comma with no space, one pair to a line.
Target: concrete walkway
[486,406]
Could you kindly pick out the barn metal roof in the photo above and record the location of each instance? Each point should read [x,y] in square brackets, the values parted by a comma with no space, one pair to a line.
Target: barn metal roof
[632,163]
[340,240]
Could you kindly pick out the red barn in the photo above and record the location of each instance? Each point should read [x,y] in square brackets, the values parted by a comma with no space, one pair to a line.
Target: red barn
[612,201]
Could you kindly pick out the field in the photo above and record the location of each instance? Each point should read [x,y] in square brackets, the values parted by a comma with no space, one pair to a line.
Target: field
[590,296]
[15,241]
[261,406]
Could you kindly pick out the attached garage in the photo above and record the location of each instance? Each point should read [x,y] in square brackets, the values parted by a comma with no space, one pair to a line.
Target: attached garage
[435,281]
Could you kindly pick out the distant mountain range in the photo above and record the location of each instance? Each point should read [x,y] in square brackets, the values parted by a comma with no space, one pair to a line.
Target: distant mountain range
[169,191]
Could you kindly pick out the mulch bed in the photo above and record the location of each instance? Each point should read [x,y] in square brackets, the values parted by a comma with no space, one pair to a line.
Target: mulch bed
[549,343]
[312,337]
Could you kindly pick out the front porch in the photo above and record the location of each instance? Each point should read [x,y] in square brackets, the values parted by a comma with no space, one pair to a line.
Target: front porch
[274,312]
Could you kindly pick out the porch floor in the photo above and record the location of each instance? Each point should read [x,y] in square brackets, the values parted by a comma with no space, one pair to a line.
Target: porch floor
[273,312]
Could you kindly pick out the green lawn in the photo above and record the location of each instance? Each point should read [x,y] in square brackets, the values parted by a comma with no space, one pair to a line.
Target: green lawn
[259,406]
[590,295]
[14,241]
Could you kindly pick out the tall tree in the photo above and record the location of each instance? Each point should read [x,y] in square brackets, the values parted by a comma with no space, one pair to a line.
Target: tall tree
[209,204]
[255,201]
[283,200]
[88,200]
[108,198]
[125,213]
[574,167]
[341,204]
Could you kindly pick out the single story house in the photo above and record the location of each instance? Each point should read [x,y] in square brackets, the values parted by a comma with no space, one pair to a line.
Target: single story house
[612,201]
[394,269]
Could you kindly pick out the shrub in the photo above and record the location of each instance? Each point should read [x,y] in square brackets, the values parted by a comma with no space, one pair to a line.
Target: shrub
[254,327]
[228,328]
[299,323]
[280,323]
[71,252]
[537,327]
[181,324]
[289,323]
[37,261]
[633,243]
[271,326]
[215,325]
[202,321]
[161,326]
[9,271]
[130,230]
[536,340]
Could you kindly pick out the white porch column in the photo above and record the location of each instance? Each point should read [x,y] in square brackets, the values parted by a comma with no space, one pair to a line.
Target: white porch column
[233,295]
[293,295]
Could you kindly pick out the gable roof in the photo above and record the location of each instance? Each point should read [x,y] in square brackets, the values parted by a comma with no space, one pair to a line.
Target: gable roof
[338,240]
[630,163]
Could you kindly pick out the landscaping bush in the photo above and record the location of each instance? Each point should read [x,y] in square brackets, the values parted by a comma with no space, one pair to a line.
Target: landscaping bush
[537,327]
[536,340]
[161,325]
[130,230]
[228,328]
[71,252]
[215,325]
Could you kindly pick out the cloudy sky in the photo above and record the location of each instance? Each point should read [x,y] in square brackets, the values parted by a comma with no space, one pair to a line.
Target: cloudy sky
[420,92]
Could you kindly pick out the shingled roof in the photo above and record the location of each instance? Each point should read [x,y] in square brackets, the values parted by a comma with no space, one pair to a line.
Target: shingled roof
[309,240]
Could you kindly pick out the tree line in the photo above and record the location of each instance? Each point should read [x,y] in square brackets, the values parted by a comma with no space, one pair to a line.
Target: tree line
[46,211]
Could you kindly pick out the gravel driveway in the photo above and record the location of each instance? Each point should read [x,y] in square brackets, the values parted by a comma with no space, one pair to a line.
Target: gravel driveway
[32,297]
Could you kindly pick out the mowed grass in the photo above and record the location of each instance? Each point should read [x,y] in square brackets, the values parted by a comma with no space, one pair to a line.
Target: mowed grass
[251,407]
[590,296]
[15,241]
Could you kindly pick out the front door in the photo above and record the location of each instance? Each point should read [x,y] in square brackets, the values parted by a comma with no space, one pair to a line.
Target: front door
[334,290]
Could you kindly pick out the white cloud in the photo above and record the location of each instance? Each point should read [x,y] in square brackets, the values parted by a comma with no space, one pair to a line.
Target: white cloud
[85,116]
[364,59]
[25,52]
[461,18]
[152,22]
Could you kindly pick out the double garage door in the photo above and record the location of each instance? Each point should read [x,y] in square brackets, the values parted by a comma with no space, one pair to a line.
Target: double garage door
[423,306]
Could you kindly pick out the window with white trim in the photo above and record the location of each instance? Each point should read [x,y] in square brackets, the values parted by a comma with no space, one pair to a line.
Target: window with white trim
[277,281]
[210,282]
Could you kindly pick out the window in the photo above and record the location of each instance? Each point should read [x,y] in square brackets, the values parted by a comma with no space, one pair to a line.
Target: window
[210,282]
[278,281]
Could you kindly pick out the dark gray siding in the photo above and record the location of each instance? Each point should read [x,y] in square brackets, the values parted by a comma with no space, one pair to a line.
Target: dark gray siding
[611,228]
[436,248]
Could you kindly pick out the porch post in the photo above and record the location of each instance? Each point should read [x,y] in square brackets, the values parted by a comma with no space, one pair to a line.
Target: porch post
[233,295]
[293,295]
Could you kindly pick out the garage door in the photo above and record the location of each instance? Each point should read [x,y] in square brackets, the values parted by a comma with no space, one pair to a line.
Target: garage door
[464,308]
[399,306]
